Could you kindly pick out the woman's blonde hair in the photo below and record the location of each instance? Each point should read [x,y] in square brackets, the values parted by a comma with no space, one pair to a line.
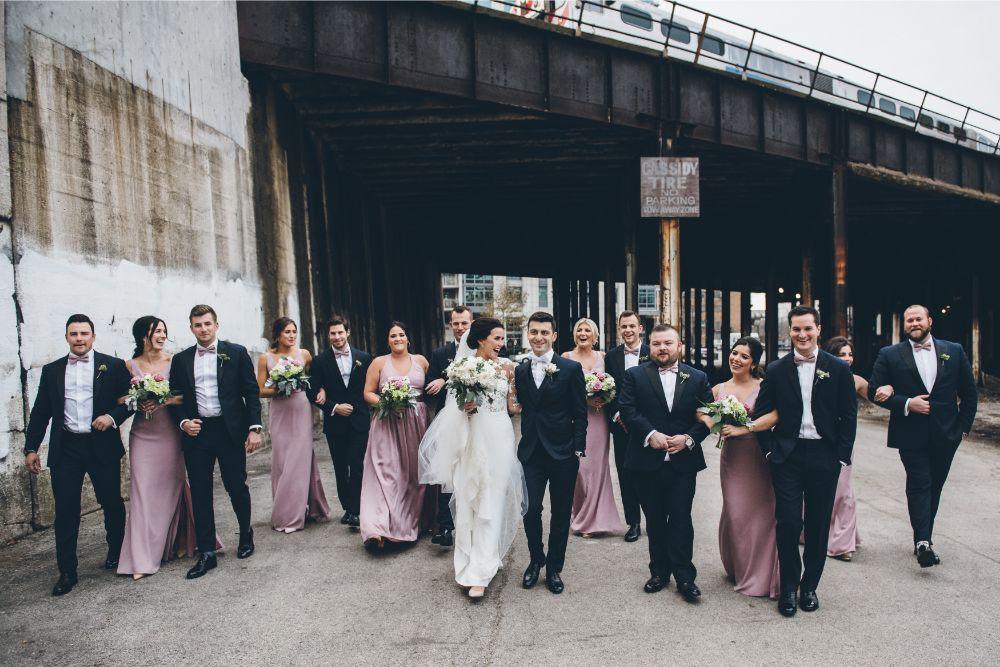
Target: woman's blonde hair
[593,328]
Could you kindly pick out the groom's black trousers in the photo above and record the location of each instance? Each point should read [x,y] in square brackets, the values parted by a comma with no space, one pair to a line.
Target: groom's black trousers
[666,496]
[926,471]
[808,476]
[539,470]
[213,444]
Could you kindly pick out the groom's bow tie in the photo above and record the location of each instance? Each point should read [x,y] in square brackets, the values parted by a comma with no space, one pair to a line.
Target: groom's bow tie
[635,351]
[799,360]
[535,361]
[345,353]
[202,351]
[671,369]
[926,345]
[73,359]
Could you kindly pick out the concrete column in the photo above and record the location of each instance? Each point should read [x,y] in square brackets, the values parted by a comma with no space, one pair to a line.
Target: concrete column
[977,369]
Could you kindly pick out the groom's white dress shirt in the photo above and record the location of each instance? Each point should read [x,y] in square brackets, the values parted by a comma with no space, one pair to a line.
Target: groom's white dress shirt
[206,382]
[926,368]
[344,364]
[807,377]
[78,406]
[538,365]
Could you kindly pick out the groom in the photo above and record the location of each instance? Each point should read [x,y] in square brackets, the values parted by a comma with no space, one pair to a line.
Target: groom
[220,418]
[553,397]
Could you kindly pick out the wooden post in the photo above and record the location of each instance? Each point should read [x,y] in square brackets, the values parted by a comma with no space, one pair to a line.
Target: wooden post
[977,370]
[896,326]
[807,289]
[839,197]
[670,270]
[710,328]
[746,315]
[771,317]
[630,208]
[686,323]
[574,302]
[726,328]
[594,300]
[699,314]
[610,311]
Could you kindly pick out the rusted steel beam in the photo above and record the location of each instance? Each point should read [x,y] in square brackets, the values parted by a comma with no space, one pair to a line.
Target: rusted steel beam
[892,177]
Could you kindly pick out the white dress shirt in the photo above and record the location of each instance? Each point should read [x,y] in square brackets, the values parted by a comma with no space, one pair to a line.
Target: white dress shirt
[632,360]
[669,383]
[344,364]
[807,377]
[538,365]
[78,405]
[926,367]
[206,382]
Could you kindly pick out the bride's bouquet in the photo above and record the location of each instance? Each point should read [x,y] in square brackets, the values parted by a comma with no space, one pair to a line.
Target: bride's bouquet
[726,411]
[474,379]
[147,388]
[600,385]
[394,396]
[287,376]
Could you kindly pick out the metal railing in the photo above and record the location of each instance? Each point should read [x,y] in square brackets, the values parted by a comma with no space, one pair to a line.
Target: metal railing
[663,27]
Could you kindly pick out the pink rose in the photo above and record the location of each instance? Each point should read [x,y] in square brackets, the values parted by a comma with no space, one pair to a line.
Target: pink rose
[135,381]
[159,377]
[598,386]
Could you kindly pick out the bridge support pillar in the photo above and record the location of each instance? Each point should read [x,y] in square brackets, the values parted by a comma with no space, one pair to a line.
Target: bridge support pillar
[725,303]
[839,200]
[771,317]
[670,271]
[977,369]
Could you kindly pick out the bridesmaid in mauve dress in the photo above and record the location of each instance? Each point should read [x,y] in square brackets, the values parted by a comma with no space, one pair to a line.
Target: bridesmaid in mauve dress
[594,509]
[391,494]
[747,527]
[160,524]
[296,489]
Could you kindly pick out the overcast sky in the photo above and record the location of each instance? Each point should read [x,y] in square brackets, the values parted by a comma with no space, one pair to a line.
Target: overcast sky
[950,48]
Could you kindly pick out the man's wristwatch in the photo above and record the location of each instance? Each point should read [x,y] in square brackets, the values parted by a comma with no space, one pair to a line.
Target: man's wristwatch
[256,429]
[751,426]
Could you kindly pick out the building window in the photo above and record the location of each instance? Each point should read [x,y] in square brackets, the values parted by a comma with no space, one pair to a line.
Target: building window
[478,291]
[543,294]
[647,299]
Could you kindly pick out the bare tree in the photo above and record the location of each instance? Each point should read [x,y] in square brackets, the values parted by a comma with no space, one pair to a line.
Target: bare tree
[508,306]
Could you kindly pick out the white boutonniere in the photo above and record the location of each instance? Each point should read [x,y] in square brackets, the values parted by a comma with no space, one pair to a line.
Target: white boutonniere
[683,376]
[643,358]
[551,369]
[944,356]
[223,357]
[357,363]
[101,369]
[821,375]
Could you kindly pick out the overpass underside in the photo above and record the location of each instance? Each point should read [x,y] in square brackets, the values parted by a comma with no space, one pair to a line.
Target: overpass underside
[391,175]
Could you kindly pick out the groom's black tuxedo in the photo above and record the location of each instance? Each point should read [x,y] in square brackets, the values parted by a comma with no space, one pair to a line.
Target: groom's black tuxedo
[72,455]
[347,437]
[614,365]
[553,431]
[666,488]
[805,471]
[222,437]
[926,443]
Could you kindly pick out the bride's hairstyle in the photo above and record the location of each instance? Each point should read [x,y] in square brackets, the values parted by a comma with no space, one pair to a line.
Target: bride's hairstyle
[480,330]
[756,350]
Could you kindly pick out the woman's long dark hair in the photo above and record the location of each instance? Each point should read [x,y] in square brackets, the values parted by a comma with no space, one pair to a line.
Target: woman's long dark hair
[143,330]
[838,343]
[756,351]
[280,325]
[480,330]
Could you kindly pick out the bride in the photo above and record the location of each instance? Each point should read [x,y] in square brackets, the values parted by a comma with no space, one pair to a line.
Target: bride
[470,451]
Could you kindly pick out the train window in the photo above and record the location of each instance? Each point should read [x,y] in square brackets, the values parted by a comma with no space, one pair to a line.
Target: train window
[637,17]
[713,45]
[677,32]
[887,106]
[906,113]
[926,120]
[943,126]
[960,134]
[864,97]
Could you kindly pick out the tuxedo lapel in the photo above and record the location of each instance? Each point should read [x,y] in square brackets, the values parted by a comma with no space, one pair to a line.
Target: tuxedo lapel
[653,375]
[793,375]
[528,380]
[617,360]
[335,369]
[906,351]
[189,365]
[98,377]
[678,388]
[60,385]
[220,364]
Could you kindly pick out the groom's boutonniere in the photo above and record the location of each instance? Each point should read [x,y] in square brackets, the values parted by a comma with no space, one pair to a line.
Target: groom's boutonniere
[643,358]
[944,356]
[683,376]
[223,357]
[101,369]
[821,375]
[551,369]
[357,363]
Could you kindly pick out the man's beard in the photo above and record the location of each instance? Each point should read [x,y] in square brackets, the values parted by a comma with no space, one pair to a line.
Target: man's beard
[664,364]
[918,335]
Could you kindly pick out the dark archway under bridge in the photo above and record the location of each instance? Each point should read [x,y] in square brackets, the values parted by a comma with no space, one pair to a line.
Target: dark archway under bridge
[388,185]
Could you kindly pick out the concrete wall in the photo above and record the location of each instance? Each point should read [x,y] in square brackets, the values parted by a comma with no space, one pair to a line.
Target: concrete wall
[130,193]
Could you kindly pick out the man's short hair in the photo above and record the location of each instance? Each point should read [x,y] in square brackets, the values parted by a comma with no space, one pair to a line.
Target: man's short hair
[203,309]
[661,327]
[542,317]
[79,318]
[628,313]
[338,320]
[927,311]
[459,309]
[799,311]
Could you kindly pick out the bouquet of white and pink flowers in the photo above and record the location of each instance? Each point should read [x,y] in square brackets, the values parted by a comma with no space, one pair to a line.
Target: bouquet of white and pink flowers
[154,387]
[600,385]
[395,396]
[726,411]
[287,376]
[474,379]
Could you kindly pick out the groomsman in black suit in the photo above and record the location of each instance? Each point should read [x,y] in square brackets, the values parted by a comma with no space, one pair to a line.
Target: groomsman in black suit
[79,394]
[813,392]
[220,418]
[338,382]
[932,407]
[461,320]
[619,359]
[553,398]
[659,401]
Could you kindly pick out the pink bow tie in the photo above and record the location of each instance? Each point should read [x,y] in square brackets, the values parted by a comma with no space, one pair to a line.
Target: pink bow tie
[202,351]
[338,353]
[672,369]
[811,359]
[73,359]
[926,345]
[635,351]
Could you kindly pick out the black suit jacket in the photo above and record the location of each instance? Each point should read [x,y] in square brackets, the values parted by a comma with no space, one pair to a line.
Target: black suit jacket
[614,365]
[110,385]
[325,374]
[834,406]
[440,358]
[953,400]
[644,408]
[554,416]
[239,394]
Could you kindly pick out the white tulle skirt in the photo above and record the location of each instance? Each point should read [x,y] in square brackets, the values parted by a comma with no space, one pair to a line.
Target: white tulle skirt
[474,457]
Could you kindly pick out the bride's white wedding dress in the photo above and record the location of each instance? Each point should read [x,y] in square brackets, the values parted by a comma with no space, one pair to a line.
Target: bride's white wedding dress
[475,458]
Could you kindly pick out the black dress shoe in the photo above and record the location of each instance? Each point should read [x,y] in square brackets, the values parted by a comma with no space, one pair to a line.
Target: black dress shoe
[205,563]
[443,537]
[656,584]
[786,604]
[245,549]
[633,532]
[808,601]
[689,591]
[64,585]
[353,521]
[926,556]
[531,575]
[110,563]
[346,519]
[554,582]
